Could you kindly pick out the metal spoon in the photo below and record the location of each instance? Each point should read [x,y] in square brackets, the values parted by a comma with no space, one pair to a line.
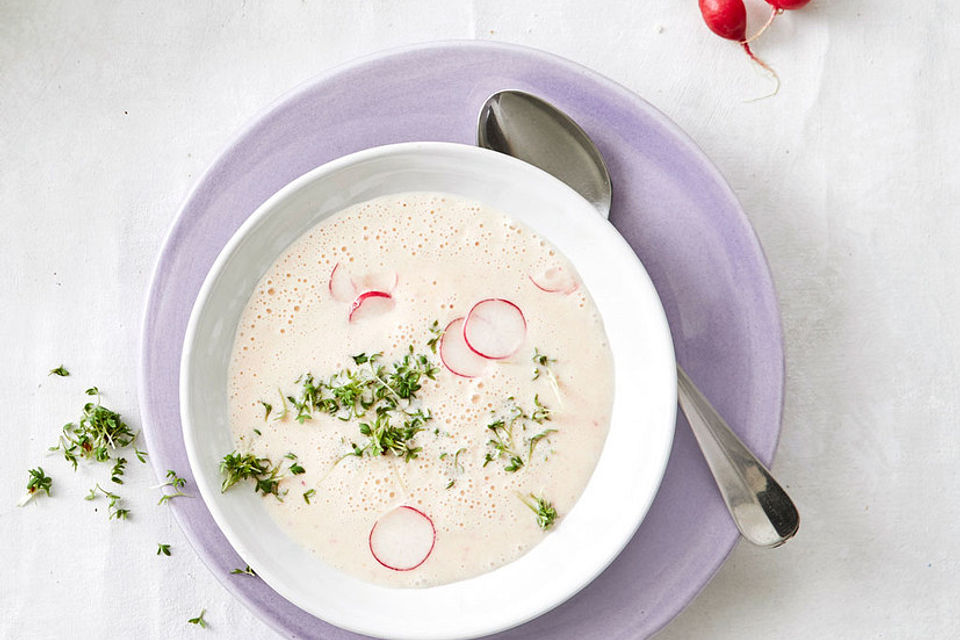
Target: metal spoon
[526,127]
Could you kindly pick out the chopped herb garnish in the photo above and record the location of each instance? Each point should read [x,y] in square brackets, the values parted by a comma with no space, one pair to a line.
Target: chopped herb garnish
[546,514]
[163,549]
[384,437]
[59,371]
[516,462]
[267,408]
[379,397]
[257,431]
[270,484]
[295,468]
[541,414]
[283,403]
[308,494]
[542,366]
[199,619]
[541,363]
[236,467]
[116,473]
[457,467]
[537,438]
[246,571]
[502,443]
[39,481]
[435,334]
[456,459]
[505,434]
[308,399]
[176,483]
[99,432]
[114,508]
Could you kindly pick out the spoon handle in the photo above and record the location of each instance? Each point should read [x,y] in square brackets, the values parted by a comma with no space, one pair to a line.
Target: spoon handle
[761,509]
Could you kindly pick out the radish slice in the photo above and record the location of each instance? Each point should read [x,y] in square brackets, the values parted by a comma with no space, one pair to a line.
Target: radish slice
[369,304]
[494,328]
[383,281]
[342,287]
[402,539]
[555,280]
[456,356]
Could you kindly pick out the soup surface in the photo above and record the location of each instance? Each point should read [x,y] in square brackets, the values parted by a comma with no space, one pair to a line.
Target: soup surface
[422,386]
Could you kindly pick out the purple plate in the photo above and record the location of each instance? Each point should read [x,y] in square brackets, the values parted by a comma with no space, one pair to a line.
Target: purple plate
[671,205]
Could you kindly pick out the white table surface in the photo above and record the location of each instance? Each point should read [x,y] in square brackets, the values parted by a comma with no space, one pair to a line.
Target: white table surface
[851,176]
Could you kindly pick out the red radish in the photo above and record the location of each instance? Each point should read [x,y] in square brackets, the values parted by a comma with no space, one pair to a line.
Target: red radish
[495,328]
[369,304]
[728,19]
[341,285]
[456,356]
[789,5]
[554,280]
[402,539]
[383,281]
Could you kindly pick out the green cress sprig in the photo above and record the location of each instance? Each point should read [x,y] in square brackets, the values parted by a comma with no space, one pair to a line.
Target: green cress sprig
[505,428]
[174,482]
[267,408]
[294,468]
[114,508]
[38,481]
[236,467]
[457,468]
[99,432]
[542,366]
[199,619]
[541,362]
[382,437]
[546,513]
[435,334]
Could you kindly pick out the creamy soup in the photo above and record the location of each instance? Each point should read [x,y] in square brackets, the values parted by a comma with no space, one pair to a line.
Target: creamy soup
[420,386]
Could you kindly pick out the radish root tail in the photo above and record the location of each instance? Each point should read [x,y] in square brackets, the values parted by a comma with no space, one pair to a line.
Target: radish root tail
[746,47]
[765,66]
[773,14]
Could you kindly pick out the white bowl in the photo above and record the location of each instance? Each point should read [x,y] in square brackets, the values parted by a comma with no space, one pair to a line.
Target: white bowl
[631,464]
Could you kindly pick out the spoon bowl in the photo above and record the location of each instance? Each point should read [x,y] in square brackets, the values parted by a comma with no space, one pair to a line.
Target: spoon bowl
[525,127]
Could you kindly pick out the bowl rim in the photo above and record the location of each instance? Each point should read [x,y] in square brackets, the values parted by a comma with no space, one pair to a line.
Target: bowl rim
[218,268]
